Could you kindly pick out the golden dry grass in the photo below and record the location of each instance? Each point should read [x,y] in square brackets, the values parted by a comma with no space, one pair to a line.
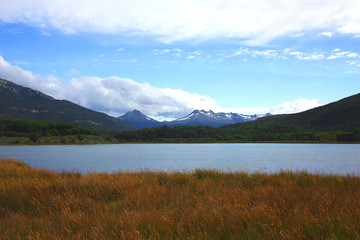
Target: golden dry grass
[38,204]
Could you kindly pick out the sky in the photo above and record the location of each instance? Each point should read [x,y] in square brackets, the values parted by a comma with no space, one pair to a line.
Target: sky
[167,58]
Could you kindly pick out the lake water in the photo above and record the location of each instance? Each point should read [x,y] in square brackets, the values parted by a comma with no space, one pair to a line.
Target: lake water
[248,157]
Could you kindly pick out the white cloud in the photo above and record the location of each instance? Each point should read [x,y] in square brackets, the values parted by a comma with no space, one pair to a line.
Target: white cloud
[246,53]
[256,23]
[352,72]
[352,55]
[266,53]
[170,52]
[27,78]
[327,34]
[355,63]
[73,72]
[287,53]
[332,57]
[161,51]
[344,54]
[313,57]
[296,106]
[307,56]
[115,95]
[196,53]
[295,35]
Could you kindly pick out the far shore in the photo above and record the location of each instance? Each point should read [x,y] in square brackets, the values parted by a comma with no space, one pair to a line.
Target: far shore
[91,140]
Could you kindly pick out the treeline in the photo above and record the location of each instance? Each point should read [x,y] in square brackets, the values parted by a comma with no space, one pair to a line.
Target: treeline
[257,133]
[34,129]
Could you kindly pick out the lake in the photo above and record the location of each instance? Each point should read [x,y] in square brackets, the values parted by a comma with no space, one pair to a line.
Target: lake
[249,157]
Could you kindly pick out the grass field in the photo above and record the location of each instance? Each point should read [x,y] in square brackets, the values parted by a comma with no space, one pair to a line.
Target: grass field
[203,204]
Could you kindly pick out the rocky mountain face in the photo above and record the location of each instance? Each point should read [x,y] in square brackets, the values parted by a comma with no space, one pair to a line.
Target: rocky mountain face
[197,117]
[210,118]
[25,103]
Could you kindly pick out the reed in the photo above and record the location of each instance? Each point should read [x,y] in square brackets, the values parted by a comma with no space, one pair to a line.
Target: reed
[203,204]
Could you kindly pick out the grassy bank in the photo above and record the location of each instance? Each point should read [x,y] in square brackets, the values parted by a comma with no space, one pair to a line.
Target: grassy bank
[38,204]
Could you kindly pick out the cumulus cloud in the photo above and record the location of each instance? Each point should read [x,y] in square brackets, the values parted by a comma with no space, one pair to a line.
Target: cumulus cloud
[296,106]
[115,95]
[25,78]
[256,23]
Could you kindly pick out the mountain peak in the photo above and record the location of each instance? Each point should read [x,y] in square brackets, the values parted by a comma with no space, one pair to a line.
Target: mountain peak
[139,120]
[136,111]
[210,118]
[202,111]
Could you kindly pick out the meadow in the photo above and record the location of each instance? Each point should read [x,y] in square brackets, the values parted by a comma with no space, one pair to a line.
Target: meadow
[201,204]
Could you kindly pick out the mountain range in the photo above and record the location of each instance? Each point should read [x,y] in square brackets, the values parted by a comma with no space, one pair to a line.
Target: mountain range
[25,103]
[197,117]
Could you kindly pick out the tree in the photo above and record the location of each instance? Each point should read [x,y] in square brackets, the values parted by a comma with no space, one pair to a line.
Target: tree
[33,137]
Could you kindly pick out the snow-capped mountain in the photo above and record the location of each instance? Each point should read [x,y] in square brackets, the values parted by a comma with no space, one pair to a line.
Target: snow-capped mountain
[197,117]
[210,118]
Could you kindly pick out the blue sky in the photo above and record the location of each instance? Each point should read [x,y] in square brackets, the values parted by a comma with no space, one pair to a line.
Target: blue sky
[167,58]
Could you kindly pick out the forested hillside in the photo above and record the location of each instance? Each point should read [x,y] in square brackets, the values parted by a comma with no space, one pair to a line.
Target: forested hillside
[257,133]
[18,131]
[341,115]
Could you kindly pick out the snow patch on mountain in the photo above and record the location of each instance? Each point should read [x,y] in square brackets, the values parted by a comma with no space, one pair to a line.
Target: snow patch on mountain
[197,117]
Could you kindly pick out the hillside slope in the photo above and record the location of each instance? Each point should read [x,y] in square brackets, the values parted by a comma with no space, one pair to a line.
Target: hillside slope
[25,103]
[340,115]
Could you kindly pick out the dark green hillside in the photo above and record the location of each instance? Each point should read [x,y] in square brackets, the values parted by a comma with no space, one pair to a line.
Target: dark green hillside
[256,133]
[341,115]
[19,127]
[24,103]
[19,131]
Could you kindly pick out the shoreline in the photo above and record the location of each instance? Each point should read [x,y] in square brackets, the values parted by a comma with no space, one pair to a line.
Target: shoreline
[119,143]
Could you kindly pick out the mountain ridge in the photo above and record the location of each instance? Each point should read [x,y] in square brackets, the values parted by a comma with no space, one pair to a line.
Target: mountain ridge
[197,117]
[26,103]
